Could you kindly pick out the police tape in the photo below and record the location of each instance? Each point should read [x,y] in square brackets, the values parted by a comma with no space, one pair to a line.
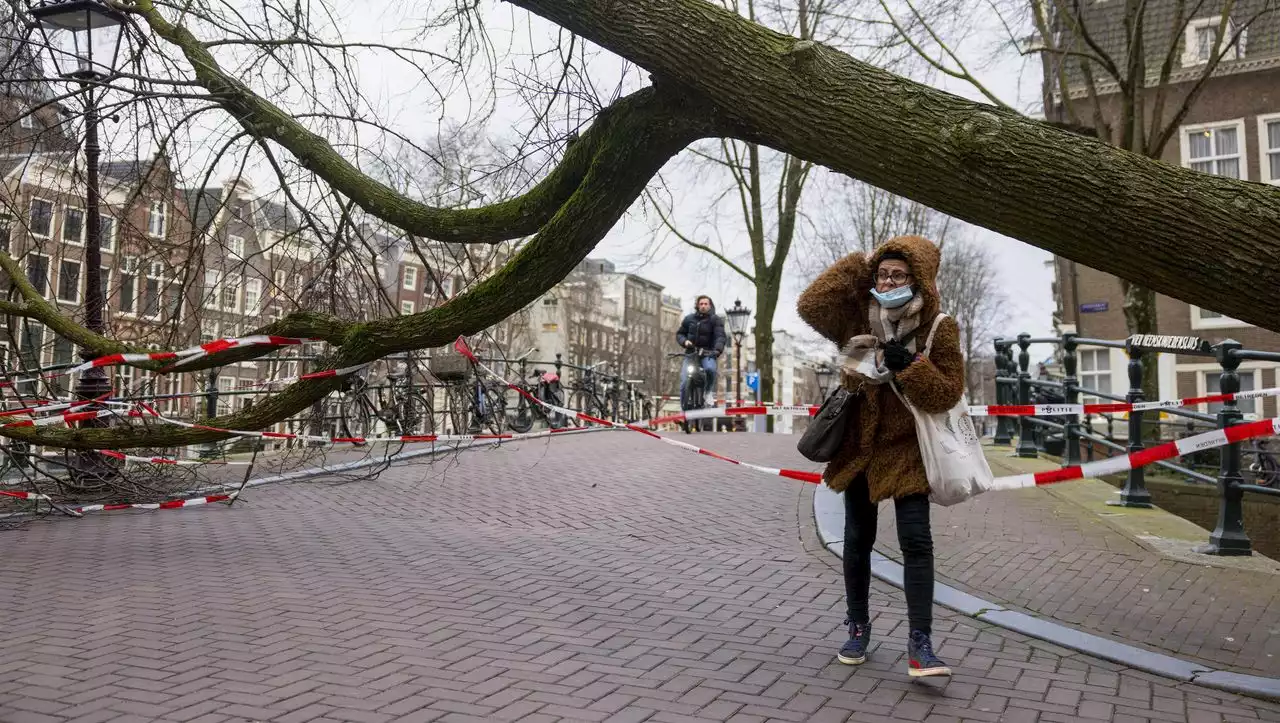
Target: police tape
[1075,410]
[183,356]
[1170,450]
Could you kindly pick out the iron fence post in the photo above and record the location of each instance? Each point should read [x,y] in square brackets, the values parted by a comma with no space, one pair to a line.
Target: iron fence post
[1071,390]
[1004,425]
[1026,434]
[1229,538]
[1134,493]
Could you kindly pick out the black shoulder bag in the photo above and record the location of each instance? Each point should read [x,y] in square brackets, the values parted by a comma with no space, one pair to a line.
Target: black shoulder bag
[827,429]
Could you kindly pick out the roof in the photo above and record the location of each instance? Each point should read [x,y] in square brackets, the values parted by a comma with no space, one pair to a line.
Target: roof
[1103,22]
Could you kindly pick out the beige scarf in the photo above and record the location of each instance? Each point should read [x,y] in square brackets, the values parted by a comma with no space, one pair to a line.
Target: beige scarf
[864,354]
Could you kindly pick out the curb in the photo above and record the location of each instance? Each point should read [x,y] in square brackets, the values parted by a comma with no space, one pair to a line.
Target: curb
[828,512]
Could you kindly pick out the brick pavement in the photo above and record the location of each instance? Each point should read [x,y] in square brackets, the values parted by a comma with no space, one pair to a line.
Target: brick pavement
[604,577]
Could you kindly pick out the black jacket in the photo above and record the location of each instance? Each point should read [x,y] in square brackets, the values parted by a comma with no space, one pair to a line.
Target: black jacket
[706,332]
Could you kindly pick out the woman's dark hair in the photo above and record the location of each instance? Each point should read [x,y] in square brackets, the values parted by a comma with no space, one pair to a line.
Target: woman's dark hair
[893,256]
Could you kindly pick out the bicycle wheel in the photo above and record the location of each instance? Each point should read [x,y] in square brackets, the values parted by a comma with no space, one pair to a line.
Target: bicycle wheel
[458,399]
[522,420]
[414,416]
[355,418]
[555,397]
[495,410]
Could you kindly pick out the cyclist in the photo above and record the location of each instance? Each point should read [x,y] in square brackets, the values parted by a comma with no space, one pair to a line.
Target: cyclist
[703,331]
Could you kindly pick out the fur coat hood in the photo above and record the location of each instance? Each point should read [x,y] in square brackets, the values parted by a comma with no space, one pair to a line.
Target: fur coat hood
[881,444]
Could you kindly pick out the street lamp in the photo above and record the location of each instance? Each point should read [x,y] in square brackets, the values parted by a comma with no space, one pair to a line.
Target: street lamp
[83,40]
[738,317]
[824,373]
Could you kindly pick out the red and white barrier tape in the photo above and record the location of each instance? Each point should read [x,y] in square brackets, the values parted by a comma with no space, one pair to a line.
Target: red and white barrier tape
[1170,450]
[168,505]
[189,354]
[1070,410]
[719,412]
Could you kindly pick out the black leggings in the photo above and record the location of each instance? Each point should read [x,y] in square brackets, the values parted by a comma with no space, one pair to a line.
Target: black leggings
[915,539]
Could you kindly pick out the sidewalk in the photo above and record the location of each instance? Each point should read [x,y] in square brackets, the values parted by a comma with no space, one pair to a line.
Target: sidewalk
[1059,552]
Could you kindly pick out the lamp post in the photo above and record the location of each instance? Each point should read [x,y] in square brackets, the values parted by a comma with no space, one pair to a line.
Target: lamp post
[824,373]
[738,317]
[82,37]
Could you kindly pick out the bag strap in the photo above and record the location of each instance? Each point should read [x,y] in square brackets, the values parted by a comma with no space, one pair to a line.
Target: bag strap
[928,347]
[928,344]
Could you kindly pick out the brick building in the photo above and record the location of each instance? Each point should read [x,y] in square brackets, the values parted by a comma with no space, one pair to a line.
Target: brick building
[1231,127]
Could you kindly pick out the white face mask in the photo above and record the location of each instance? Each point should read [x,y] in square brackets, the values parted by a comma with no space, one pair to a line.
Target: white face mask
[893,298]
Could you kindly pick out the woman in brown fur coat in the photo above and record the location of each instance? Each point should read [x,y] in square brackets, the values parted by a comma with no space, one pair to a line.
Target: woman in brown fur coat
[879,310]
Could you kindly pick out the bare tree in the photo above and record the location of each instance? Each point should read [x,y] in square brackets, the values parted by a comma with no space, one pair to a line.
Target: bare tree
[716,75]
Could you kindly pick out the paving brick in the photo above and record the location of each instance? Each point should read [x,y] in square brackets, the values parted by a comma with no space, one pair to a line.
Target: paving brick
[479,591]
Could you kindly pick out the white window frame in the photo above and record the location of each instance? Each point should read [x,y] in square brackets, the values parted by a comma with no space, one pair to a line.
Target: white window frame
[160,278]
[406,307]
[1191,46]
[236,282]
[129,267]
[48,272]
[253,286]
[212,289]
[53,216]
[27,119]
[80,282]
[160,210]
[1199,323]
[1094,374]
[107,240]
[1184,147]
[410,281]
[280,277]
[1202,371]
[1264,164]
[84,225]
[236,246]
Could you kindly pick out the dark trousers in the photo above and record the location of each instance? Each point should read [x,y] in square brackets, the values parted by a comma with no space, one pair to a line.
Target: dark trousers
[915,540]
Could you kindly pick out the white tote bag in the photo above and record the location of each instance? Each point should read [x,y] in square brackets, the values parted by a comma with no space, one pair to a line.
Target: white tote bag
[950,447]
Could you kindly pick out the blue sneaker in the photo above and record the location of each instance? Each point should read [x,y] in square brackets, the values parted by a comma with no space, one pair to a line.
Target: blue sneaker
[854,651]
[921,662]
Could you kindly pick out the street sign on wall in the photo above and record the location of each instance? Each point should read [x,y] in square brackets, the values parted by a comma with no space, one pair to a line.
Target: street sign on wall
[1094,307]
[1171,344]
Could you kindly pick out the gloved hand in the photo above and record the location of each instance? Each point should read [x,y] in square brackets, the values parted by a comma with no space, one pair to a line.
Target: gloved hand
[896,356]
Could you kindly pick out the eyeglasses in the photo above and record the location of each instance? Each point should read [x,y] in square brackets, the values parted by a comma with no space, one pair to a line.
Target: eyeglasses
[897,277]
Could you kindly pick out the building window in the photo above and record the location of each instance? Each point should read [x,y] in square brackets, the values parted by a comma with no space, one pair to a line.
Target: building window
[1269,147]
[6,234]
[208,330]
[252,296]
[1213,385]
[1206,319]
[69,281]
[155,282]
[38,273]
[235,246]
[73,226]
[31,345]
[129,285]
[157,219]
[1201,42]
[41,218]
[406,308]
[28,119]
[1094,373]
[411,278]
[280,278]
[212,280]
[230,292]
[1216,149]
[107,232]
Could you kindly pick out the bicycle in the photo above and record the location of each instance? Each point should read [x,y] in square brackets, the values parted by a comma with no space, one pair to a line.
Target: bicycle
[477,405]
[1266,468]
[403,411]
[586,397]
[693,393]
[547,388]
